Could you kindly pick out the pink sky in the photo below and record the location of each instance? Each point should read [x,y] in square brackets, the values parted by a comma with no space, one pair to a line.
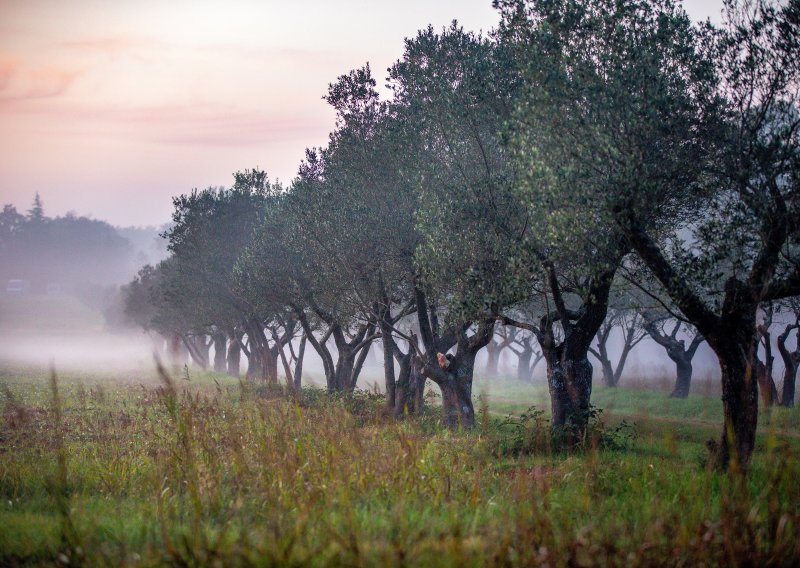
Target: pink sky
[110,108]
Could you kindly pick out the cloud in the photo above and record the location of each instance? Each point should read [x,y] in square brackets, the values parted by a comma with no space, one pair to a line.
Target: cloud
[113,45]
[49,82]
[208,124]
[7,71]
[19,84]
[304,58]
[117,45]
[104,44]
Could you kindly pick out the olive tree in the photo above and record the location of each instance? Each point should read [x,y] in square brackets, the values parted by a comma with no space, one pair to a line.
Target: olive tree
[482,247]
[698,130]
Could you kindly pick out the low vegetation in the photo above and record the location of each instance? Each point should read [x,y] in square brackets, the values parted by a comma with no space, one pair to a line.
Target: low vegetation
[152,470]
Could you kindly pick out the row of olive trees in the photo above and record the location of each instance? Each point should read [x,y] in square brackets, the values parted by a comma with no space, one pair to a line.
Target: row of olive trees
[514,179]
[680,341]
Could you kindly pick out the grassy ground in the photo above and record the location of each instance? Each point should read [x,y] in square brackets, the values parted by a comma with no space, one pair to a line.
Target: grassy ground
[134,470]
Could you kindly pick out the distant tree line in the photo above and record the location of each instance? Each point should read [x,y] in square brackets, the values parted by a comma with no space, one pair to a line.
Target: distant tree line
[586,166]
[73,255]
[61,250]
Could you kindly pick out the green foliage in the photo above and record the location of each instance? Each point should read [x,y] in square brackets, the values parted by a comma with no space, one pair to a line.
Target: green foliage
[453,93]
[528,433]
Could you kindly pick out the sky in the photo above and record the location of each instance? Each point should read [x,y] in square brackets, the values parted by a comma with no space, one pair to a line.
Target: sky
[110,108]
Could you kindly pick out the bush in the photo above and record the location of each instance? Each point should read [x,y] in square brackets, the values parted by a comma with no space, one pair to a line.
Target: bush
[530,433]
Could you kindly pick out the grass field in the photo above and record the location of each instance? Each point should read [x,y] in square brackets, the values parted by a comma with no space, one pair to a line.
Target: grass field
[130,469]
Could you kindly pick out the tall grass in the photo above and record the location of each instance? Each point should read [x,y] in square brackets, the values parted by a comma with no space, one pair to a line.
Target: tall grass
[203,472]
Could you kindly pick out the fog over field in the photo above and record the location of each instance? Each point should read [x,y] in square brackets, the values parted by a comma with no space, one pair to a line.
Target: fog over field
[72,311]
[37,330]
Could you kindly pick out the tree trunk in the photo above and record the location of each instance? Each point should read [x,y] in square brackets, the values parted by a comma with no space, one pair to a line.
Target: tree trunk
[348,368]
[732,332]
[417,382]
[791,359]
[298,368]
[524,366]
[177,352]
[493,350]
[403,404]
[361,356]
[766,384]
[623,358]
[683,382]
[270,357]
[679,354]
[789,374]
[609,379]
[220,352]
[234,354]
[739,399]
[287,367]
[455,377]
[198,350]
[254,363]
[388,365]
[257,353]
[343,375]
[457,408]
[570,383]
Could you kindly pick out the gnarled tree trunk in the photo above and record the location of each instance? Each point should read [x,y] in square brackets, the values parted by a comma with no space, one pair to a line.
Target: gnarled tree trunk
[683,379]
[569,369]
[609,379]
[198,349]
[678,352]
[527,359]
[388,364]
[493,351]
[524,365]
[570,384]
[791,361]
[766,383]
[457,408]
[220,351]
[404,401]
[454,375]
[739,400]
[178,353]
[234,355]
[341,375]
[298,367]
